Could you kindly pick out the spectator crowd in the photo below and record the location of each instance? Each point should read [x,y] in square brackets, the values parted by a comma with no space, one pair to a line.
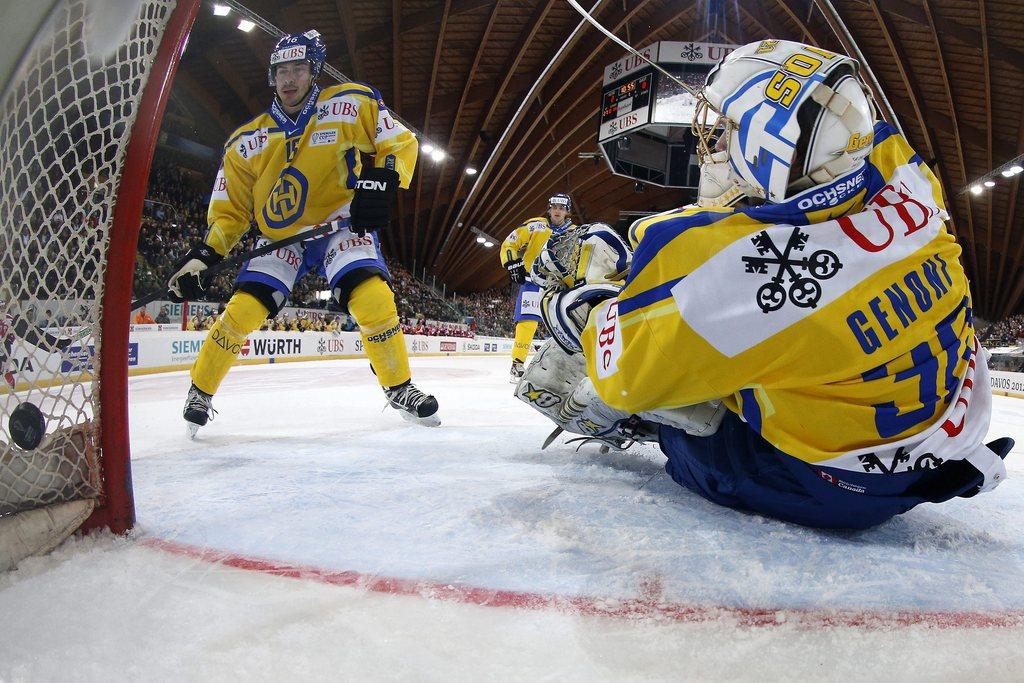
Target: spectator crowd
[174,219]
[1006,332]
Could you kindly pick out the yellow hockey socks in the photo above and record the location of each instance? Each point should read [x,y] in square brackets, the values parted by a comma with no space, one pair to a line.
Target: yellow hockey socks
[525,329]
[243,314]
[372,304]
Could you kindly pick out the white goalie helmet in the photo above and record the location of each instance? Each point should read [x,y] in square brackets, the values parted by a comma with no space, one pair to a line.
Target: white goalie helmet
[777,118]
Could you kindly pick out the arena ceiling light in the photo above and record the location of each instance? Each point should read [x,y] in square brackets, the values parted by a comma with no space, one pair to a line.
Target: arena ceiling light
[471,171]
[438,155]
[246,25]
[482,238]
[221,10]
[1010,169]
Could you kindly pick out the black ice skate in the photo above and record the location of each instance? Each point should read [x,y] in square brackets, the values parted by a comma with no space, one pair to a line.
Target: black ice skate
[413,404]
[198,410]
[517,372]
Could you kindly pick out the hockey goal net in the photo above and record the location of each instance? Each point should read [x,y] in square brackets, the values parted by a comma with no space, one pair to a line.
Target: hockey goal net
[80,106]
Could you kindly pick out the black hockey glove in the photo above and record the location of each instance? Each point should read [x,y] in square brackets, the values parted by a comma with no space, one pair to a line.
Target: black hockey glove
[516,271]
[189,281]
[371,204]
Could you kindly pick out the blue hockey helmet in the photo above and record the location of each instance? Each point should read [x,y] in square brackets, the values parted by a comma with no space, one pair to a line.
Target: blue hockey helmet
[299,47]
[560,199]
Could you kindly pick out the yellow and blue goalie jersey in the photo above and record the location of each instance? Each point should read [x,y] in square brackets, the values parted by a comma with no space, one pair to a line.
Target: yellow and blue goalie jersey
[526,241]
[837,324]
[289,175]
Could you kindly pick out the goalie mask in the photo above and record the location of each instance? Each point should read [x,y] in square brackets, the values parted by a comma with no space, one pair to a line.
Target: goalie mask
[306,47]
[777,118]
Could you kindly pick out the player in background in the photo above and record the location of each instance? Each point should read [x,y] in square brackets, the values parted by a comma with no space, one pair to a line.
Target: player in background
[24,328]
[518,252]
[816,292]
[290,169]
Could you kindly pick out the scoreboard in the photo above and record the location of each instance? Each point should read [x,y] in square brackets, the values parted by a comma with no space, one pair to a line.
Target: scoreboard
[646,116]
[633,96]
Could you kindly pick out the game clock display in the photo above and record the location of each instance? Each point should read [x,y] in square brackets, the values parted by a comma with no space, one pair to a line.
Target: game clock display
[626,97]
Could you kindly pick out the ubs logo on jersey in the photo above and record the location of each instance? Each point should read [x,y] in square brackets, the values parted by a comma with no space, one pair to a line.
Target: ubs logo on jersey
[287,200]
[220,186]
[337,110]
[252,144]
[803,291]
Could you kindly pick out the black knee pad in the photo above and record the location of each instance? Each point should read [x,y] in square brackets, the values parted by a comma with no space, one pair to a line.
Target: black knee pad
[265,294]
[352,279]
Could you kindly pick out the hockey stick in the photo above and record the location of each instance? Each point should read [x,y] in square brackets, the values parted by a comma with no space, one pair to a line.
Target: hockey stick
[217,268]
[626,46]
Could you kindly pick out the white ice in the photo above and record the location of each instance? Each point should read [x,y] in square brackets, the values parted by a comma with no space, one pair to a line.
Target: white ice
[303,468]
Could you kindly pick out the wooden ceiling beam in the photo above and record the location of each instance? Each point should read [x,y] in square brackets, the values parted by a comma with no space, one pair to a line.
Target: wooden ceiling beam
[443,175]
[416,20]
[348,25]
[983,298]
[411,239]
[547,100]
[955,130]
[971,37]
[524,40]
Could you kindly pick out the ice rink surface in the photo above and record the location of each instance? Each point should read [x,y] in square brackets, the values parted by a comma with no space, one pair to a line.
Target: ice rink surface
[310,534]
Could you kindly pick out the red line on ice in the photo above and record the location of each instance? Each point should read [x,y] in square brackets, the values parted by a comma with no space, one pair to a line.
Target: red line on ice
[649,606]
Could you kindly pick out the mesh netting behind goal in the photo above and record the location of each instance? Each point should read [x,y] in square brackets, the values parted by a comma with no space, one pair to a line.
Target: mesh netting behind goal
[77,129]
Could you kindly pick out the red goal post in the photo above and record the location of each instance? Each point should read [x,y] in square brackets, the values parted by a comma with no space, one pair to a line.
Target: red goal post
[118,512]
[81,103]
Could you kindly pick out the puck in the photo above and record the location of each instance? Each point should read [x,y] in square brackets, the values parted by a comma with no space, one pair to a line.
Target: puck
[27,426]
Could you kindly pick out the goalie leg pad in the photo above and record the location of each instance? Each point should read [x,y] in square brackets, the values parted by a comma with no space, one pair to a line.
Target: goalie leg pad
[550,379]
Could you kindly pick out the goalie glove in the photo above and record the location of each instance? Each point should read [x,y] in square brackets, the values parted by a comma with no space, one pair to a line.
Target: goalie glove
[188,282]
[565,313]
[371,204]
[516,271]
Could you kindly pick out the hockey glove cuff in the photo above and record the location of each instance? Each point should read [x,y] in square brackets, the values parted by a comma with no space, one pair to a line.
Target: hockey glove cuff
[189,282]
[516,271]
[371,204]
[565,313]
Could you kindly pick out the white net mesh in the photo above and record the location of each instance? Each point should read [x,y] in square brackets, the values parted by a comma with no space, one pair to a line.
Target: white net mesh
[66,117]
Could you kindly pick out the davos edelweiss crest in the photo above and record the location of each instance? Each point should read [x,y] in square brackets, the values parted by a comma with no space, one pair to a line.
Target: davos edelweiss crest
[321,346]
[804,289]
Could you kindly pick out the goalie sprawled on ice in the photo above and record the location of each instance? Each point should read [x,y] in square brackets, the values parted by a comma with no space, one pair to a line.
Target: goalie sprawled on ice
[800,342]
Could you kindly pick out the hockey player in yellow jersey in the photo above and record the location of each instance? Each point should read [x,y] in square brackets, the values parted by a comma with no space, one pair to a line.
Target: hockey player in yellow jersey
[518,252]
[290,169]
[815,291]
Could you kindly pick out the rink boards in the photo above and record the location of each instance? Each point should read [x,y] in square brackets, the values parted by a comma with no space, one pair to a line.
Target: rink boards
[152,351]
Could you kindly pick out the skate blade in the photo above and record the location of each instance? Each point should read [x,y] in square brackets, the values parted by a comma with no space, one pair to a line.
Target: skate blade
[193,429]
[551,437]
[428,421]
